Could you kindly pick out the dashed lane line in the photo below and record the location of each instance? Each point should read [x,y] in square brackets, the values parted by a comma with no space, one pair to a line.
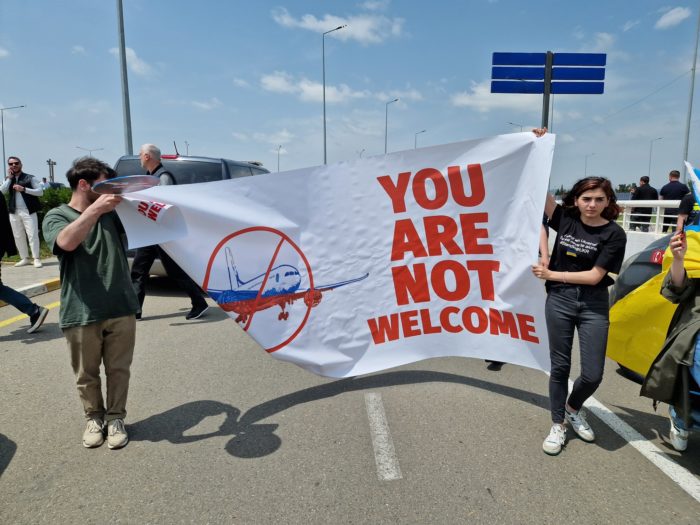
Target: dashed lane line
[384,452]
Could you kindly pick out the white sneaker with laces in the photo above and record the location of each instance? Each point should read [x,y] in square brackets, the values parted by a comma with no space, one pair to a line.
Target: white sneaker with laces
[116,434]
[555,440]
[94,433]
[580,425]
[23,262]
[679,438]
[37,263]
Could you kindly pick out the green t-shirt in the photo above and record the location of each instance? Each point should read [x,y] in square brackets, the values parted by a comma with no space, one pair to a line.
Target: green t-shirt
[95,280]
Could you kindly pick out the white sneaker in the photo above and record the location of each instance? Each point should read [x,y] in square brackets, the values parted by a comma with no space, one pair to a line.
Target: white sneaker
[116,434]
[580,425]
[679,438]
[23,262]
[555,440]
[37,263]
[94,433]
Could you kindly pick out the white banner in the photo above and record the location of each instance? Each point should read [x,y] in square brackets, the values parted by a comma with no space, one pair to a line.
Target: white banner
[360,266]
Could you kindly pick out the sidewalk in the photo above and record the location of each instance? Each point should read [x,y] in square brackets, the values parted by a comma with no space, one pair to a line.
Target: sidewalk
[32,281]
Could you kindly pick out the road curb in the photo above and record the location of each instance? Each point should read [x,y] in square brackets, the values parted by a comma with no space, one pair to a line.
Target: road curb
[37,289]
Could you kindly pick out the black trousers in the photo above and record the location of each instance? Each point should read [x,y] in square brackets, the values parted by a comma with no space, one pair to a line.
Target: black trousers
[585,310]
[142,265]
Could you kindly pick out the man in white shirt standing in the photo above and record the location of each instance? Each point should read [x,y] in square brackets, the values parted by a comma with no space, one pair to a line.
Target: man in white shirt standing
[23,205]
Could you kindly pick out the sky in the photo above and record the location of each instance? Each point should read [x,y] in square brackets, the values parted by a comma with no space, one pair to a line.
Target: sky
[243,80]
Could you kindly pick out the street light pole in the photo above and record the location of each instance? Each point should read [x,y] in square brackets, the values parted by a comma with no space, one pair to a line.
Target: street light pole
[386,122]
[89,150]
[2,127]
[690,100]
[651,144]
[51,164]
[128,143]
[585,164]
[323,60]
[278,157]
[415,138]
[516,124]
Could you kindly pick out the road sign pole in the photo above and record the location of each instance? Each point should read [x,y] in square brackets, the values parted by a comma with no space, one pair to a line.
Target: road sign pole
[547,88]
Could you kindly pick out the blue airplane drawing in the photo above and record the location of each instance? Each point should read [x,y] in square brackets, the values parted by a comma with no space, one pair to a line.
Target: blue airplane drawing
[281,288]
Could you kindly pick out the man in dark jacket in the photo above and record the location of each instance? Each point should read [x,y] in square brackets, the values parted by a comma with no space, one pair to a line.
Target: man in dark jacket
[674,190]
[36,313]
[140,269]
[645,192]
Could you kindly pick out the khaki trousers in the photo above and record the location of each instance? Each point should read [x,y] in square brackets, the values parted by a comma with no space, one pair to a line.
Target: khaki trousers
[110,341]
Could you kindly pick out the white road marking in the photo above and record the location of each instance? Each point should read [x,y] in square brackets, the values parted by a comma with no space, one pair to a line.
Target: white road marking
[684,479]
[384,453]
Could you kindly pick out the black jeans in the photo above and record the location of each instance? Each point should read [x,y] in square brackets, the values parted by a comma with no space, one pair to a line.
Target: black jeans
[585,309]
[140,271]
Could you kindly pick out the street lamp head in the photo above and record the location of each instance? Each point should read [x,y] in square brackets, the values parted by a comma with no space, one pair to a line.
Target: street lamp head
[340,27]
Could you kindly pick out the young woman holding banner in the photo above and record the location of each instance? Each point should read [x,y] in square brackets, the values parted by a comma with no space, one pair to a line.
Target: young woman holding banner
[589,244]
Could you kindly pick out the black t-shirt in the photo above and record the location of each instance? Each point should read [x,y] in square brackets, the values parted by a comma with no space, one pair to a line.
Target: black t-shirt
[674,190]
[579,247]
[688,207]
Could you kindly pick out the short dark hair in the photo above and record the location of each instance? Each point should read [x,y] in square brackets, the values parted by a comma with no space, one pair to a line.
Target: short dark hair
[644,179]
[675,174]
[13,157]
[593,183]
[89,169]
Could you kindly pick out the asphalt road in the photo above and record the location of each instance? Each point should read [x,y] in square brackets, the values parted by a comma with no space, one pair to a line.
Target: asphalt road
[223,433]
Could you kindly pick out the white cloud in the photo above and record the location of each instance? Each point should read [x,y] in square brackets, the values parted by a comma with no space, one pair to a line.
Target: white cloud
[135,64]
[409,94]
[308,90]
[240,82]
[672,18]
[278,137]
[480,98]
[312,91]
[375,5]
[4,53]
[207,105]
[278,82]
[363,28]
[77,50]
[629,25]
[240,136]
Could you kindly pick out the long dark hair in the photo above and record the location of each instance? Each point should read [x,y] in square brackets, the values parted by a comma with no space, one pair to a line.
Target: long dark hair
[593,183]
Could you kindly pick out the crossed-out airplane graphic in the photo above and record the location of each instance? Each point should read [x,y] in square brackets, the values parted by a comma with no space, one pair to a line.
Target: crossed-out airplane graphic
[281,288]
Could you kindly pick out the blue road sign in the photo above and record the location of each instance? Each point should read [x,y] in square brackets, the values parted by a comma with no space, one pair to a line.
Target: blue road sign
[581,73]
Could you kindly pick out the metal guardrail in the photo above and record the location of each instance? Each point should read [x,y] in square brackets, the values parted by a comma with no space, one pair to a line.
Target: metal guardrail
[654,225]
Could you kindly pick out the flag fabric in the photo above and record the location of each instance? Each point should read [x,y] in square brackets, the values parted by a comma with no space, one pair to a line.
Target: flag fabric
[360,266]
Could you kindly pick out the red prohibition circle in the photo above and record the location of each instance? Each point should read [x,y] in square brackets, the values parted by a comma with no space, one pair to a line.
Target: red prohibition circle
[285,238]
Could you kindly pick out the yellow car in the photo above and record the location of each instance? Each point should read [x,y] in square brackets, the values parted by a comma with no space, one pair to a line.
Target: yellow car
[639,320]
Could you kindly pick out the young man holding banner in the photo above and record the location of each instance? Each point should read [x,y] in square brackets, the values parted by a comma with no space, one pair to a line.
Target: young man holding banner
[98,302]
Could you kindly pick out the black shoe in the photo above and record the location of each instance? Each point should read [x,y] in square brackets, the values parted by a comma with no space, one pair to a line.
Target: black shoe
[494,366]
[37,319]
[138,316]
[197,311]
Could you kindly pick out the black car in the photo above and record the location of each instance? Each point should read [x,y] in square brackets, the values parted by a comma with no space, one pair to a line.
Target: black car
[190,170]
[639,268]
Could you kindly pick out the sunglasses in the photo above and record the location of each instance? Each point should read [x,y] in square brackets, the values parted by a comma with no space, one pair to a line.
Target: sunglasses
[14,163]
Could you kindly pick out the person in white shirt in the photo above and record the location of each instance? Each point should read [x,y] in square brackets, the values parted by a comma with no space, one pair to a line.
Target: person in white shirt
[23,205]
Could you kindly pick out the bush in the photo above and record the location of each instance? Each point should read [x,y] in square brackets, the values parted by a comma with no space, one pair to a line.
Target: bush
[52,198]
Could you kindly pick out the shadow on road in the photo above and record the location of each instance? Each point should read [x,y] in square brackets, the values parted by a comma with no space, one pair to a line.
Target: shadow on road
[7,452]
[253,440]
